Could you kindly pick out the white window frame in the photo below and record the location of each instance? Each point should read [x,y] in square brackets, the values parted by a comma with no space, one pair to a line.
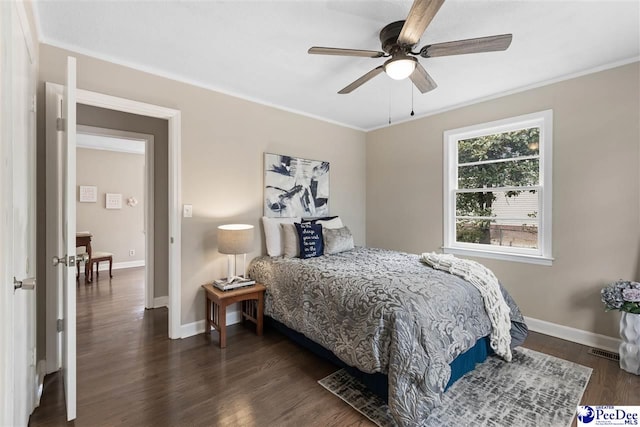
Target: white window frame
[541,255]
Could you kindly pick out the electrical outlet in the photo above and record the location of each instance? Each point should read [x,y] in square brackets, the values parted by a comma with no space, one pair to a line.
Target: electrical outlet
[132,252]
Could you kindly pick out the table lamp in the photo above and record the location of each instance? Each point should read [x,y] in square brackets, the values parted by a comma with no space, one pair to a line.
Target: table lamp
[233,240]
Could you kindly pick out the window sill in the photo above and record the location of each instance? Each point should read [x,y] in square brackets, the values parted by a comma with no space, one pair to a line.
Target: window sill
[529,259]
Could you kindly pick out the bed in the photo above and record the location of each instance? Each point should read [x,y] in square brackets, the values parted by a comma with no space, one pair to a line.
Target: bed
[387,314]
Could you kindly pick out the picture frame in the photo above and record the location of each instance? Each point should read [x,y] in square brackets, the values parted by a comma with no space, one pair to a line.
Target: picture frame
[295,187]
[88,194]
[113,201]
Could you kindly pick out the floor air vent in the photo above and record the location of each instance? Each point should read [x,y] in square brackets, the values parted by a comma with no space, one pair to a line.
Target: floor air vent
[604,353]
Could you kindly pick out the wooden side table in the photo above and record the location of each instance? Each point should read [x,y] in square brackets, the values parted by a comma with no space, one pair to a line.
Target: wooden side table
[252,298]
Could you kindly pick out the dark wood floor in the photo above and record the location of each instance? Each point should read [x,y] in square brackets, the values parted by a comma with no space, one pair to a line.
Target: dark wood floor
[130,374]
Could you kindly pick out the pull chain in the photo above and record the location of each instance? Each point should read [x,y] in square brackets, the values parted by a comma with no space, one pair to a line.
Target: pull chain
[389,104]
[412,113]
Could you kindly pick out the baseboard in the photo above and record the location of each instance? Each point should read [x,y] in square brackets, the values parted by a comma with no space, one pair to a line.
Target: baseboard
[579,336]
[191,329]
[119,265]
[161,302]
[195,328]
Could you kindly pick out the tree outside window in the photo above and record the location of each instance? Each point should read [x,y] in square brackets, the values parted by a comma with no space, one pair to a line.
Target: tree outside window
[508,159]
[497,189]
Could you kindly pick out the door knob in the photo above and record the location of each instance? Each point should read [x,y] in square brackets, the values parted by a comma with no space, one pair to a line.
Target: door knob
[26,284]
[69,261]
[57,260]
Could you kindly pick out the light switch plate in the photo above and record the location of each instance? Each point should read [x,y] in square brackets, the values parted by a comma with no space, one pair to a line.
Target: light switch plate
[187,211]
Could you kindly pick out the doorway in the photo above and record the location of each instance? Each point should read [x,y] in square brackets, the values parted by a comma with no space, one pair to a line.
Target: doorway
[122,163]
[173,244]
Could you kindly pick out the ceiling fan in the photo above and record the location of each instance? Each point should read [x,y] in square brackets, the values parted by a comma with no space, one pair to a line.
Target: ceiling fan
[400,37]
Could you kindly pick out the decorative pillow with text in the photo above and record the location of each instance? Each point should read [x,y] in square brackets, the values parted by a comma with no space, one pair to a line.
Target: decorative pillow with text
[310,239]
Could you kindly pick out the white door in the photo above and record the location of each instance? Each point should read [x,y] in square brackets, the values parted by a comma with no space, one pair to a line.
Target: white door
[60,125]
[23,170]
[17,202]
[69,239]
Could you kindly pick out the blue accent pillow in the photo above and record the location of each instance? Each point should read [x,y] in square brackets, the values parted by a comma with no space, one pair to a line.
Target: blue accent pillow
[310,238]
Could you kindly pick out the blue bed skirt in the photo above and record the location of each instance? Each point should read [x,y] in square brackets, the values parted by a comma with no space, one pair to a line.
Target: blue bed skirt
[378,383]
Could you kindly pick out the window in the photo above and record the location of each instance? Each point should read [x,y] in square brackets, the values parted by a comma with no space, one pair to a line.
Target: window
[497,195]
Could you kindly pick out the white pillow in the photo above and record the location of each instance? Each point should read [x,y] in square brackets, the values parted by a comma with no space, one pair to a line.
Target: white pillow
[290,241]
[273,233]
[330,224]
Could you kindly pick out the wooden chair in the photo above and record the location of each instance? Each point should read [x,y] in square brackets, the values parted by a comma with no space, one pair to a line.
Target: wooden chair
[83,239]
[96,258]
[79,261]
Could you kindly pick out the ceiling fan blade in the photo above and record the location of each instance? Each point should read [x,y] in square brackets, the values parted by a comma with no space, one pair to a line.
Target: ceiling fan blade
[362,80]
[316,50]
[422,79]
[420,16]
[460,47]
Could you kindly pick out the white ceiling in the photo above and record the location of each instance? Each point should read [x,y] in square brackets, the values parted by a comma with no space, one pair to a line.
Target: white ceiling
[258,49]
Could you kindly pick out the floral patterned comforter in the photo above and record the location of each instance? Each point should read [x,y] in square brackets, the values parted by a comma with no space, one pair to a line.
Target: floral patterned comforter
[381,311]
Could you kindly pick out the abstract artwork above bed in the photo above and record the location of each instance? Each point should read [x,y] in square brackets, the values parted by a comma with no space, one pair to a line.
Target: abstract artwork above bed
[295,187]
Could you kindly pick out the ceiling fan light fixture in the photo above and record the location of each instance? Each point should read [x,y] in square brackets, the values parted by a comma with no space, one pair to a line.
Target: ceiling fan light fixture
[400,68]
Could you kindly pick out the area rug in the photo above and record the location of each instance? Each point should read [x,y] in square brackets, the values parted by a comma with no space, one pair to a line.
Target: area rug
[535,389]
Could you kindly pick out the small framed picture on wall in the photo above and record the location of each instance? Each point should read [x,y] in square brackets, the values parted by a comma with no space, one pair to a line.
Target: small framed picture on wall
[88,193]
[113,201]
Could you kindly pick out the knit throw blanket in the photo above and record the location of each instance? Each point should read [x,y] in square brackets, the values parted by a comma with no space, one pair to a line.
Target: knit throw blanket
[487,284]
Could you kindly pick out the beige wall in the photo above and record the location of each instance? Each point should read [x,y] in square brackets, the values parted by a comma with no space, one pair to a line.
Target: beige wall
[114,230]
[110,119]
[223,141]
[596,184]
[596,199]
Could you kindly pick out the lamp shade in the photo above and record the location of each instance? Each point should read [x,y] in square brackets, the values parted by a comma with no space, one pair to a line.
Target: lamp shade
[235,239]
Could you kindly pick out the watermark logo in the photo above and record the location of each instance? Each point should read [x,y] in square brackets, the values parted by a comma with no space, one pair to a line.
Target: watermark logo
[586,414]
[589,416]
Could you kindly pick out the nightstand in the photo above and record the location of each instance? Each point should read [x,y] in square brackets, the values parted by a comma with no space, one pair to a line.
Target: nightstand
[252,299]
